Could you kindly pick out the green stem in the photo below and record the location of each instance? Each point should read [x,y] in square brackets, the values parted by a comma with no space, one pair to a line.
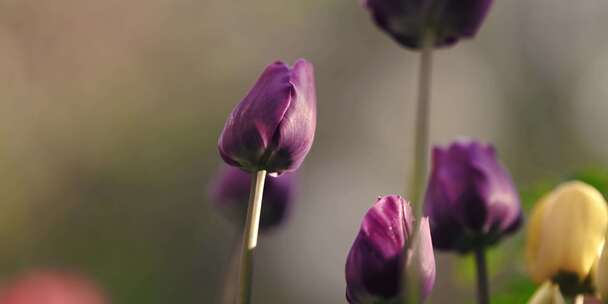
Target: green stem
[229,288]
[418,174]
[483,288]
[250,235]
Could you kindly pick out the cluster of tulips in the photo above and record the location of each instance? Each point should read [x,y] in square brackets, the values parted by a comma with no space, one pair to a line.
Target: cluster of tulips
[470,202]
[466,203]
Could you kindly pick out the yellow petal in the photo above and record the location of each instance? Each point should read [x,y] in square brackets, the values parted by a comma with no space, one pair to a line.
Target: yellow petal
[548,293]
[535,269]
[566,231]
[601,275]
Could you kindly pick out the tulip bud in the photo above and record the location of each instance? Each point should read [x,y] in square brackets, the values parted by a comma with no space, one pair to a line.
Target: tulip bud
[470,200]
[566,233]
[48,287]
[375,263]
[230,193]
[273,128]
[407,20]
[548,293]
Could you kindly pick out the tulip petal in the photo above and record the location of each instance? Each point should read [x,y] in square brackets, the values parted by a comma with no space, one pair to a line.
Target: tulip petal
[439,207]
[406,21]
[566,233]
[273,127]
[230,193]
[547,293]
[425,258]
[601,273]
[375,261]
[496,189]
[470,197]
[295,134]
[254,121]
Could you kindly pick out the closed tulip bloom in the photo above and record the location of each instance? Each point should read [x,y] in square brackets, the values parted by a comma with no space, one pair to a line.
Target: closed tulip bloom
[51,287]
[374,266]
[230,192]
[273,128]
[470,200]
[406,21]
[566,232]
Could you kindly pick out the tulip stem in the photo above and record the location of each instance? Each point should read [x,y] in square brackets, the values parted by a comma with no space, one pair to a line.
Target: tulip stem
[231,274]
[250,235]
[482,276]
[422,121]
[418,173]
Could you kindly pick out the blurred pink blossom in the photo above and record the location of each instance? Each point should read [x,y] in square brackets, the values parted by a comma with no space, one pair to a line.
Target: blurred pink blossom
[51,287]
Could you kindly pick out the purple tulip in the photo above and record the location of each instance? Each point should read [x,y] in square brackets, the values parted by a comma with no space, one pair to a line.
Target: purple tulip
[274,126]
[407,20]
[471,200]
[230,193]
[374,266]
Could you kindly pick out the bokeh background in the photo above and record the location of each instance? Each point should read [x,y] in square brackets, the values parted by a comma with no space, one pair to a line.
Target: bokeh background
[110,112]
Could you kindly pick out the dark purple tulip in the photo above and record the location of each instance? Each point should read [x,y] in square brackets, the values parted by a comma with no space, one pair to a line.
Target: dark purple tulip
[374,266]
[407,20]
[471,200]
[230,193]
[274,126]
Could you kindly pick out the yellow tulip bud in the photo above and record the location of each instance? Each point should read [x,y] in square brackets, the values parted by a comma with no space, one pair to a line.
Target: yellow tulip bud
[548,293]
[566,231]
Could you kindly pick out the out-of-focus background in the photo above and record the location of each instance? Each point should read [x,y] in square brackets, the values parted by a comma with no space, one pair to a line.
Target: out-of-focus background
[110,113]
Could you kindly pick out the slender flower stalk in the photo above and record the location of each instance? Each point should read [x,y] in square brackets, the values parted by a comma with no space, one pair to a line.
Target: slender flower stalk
[231,275]
[230,193]
[250,237]
[418,174]
[270,131]
[483,290]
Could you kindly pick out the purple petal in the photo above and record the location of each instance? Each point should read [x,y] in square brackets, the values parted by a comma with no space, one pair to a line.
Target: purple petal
[253,122]
[296,132]
[496,189]
[375,261]
[441,204]
[470,196]
[406,20]
[468,15]
[425,258]
[273,127]
[230,194]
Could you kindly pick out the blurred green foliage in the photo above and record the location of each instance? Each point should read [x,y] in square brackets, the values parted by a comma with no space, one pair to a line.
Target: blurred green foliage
[596,177]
